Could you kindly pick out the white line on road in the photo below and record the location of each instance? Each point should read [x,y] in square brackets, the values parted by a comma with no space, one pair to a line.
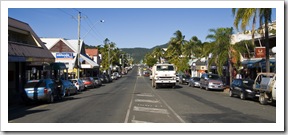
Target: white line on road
[138,121]
[130,105]
[145,95]
[146,101]
[180,119]
[151,110]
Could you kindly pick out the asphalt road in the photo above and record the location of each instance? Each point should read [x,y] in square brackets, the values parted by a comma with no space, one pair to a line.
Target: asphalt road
[131,99]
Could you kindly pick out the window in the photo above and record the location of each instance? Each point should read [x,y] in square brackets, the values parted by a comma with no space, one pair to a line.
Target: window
[21,36]
[165,68]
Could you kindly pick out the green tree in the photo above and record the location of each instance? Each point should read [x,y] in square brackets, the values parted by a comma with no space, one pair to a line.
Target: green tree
[192,48]
[158,53]
[149,59]
[243,15]
[223,50]
[174,51]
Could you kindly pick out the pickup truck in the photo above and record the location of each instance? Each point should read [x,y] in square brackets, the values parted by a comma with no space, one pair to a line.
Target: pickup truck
[265,84]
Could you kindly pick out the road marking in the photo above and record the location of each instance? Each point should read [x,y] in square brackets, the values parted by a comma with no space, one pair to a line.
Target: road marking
[138,121]
[180,119]
[130,105]
[152,110]
[146,101]
[145,95]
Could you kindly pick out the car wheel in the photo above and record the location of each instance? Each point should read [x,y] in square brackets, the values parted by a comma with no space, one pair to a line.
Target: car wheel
[68,93]
[262,99]
[51,98]
[230,93]
[242,96]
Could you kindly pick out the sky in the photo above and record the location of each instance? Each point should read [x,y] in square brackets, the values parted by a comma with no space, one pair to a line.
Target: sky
[127,27]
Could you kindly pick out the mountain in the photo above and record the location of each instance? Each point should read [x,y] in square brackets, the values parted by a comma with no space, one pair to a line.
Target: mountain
[139,53]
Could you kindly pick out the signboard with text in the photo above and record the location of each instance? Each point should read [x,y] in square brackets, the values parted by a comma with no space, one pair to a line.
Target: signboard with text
[64,55]
[260,52]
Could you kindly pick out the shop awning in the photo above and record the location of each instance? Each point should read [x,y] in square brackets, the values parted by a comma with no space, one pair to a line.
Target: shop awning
[91,62]
[252,63]
[272,63]
[58,66]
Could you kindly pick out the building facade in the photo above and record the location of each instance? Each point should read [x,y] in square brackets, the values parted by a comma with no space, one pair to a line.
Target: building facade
[28,58]
[66,51]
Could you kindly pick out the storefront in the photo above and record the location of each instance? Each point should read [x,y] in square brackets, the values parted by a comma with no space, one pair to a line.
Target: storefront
[66,51]
[28,58]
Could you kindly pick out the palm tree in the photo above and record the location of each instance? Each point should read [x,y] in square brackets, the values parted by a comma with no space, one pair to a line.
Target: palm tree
[191,47]
[157,52]
[243,15]
[223,50]
[174,50]
[265,15]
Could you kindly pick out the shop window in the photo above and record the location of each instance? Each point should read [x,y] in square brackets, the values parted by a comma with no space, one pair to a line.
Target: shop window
[10,76]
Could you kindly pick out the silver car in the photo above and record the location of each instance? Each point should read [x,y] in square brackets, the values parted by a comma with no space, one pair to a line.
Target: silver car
[211,81]
[194,82]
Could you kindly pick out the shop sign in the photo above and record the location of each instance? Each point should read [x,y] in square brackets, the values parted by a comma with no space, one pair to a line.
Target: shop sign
[260,52]
[64,55]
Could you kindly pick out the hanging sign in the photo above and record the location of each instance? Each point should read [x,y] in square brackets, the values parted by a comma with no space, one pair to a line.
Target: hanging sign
[260,52]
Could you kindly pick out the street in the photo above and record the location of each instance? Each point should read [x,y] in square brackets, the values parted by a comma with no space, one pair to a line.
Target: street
[131,99]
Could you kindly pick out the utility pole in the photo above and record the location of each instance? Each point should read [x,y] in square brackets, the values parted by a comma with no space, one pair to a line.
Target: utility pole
[78,53]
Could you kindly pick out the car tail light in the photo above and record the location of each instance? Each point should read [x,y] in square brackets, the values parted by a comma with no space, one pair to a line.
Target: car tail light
[46,91]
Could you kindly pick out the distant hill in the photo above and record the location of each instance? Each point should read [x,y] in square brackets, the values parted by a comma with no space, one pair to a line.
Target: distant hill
[139,53]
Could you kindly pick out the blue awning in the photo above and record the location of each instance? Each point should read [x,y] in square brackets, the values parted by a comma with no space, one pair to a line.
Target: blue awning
[252,63]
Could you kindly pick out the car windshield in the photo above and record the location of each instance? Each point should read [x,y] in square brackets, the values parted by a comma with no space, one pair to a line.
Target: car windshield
[215,77]
[165,68]
[196,79]
[248,83]
[38,83]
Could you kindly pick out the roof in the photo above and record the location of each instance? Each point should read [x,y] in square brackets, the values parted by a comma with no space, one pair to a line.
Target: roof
[92,52]
[28,52]
[72,43]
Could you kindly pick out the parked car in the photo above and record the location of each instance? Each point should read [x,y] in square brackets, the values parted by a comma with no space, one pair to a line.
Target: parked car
[98,81]
[103,79]
[211,81]
[243,88]
[89,82]
[115,75]
[68,87]
[184,79]
[79,84]
[40,90]
[194,81]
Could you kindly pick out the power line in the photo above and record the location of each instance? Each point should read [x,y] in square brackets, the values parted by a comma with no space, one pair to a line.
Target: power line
[67,14]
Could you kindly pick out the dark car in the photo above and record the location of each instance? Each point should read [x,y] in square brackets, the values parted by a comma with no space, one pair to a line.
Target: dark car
[40,90]
[65,87]
[194,81]
[184,79]
[242,88]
